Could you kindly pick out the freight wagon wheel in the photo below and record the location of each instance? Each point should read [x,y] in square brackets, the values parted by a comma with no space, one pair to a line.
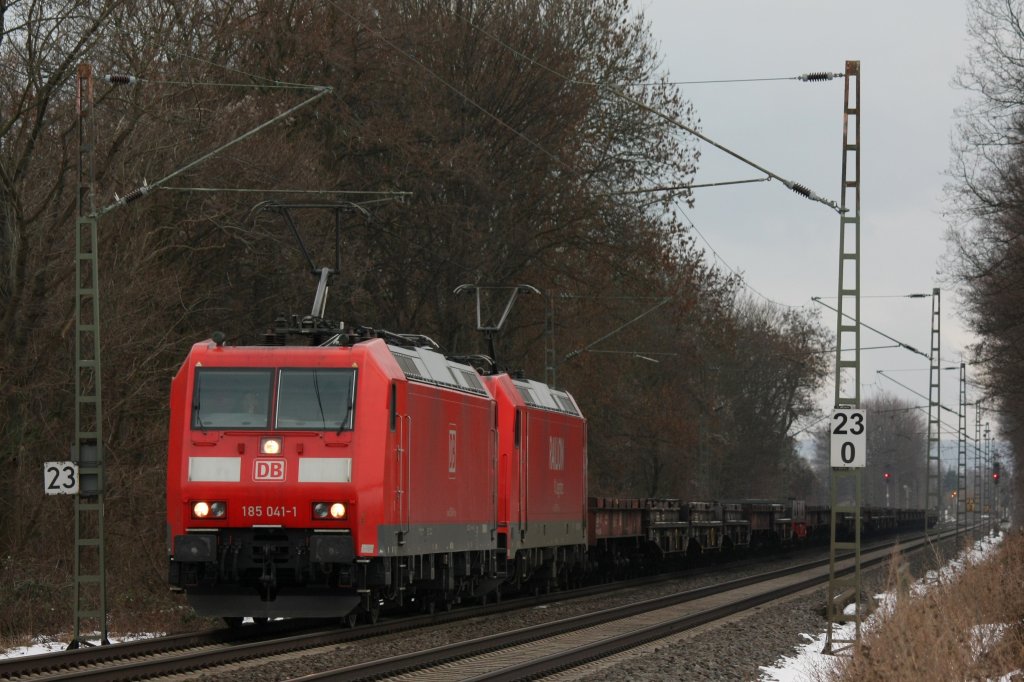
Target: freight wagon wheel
[351,619]
[373,614]
[233,622]
[260,620]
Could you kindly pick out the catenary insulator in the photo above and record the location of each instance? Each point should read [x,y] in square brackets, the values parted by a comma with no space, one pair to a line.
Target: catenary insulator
[800,189]
[120,79]
[818,76]
[136,193]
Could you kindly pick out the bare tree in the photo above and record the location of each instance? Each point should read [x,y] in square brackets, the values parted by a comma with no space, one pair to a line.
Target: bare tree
[987,198]
[774,365]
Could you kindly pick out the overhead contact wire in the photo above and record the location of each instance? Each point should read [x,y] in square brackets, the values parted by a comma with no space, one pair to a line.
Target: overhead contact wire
[907,346]
[146,188]
[742,279]
[125,79]
[807,77]
[800,189]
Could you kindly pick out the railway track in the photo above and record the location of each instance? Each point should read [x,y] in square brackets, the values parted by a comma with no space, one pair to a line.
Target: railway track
[182,653]
[543,650]
[565,642]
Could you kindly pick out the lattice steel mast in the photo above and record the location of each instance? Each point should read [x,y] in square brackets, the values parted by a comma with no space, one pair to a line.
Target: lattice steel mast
[87,448]
[961,459]
[979,482]
[843,589]
[90,585]
[987,510]
[933,465]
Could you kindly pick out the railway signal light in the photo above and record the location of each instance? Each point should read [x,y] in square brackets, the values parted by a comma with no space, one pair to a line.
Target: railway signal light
[995,473]
[886,476]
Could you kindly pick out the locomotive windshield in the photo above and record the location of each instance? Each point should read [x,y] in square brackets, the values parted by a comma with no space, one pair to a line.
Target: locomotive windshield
[320,399]
[307,399]
[231,399]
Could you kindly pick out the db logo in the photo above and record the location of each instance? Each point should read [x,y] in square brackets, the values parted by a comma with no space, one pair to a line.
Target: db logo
[268,470]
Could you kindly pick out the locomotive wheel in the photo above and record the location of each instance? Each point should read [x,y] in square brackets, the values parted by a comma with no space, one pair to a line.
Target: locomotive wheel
[233,622]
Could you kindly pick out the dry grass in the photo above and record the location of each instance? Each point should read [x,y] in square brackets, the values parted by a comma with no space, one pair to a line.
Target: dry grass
[968,626]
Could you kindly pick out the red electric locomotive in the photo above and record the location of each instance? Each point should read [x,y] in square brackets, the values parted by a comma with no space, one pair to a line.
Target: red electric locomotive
[318,481]
[542,481]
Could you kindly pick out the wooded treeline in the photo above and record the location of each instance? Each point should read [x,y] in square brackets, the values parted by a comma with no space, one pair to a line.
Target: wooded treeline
[516,166]
[987,232]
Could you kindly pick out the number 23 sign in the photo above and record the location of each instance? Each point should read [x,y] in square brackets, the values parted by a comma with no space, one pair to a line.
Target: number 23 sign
[60,478]
[849,438]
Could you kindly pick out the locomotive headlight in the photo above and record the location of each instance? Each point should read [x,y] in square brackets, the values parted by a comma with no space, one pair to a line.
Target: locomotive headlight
[209,510]
[329,510]
[270,446]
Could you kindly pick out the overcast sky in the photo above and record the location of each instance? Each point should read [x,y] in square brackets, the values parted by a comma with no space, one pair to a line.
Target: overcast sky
[786,246]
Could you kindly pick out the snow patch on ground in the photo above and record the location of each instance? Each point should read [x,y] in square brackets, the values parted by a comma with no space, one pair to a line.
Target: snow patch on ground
[809,664]
[48,644]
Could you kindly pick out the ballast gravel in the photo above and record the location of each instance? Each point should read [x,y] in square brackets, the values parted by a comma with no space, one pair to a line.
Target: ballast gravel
[733,650]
